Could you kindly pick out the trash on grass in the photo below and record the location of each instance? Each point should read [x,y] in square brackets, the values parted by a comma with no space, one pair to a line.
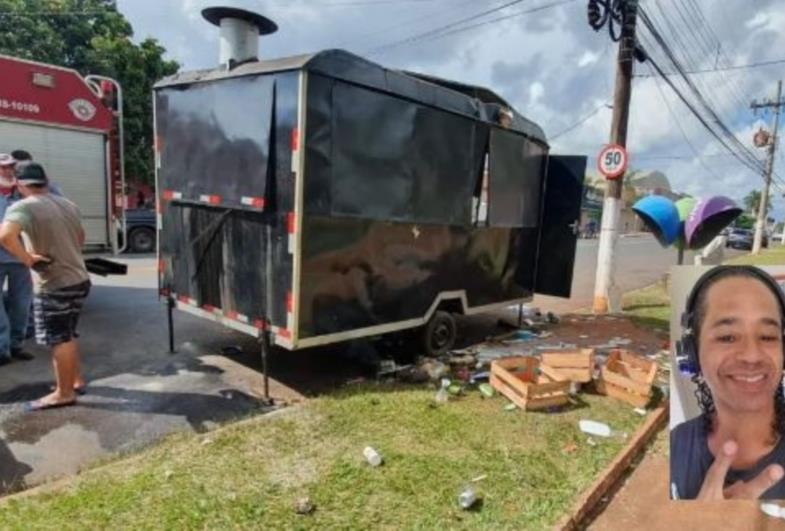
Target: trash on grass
[593,427]
[454,389]
[467,498]
[772,509]
[479,478]
[480,376]
[442,396]
[303,505]
[640,411]
[510,407]
[591,442]
[373,457]
[486,390]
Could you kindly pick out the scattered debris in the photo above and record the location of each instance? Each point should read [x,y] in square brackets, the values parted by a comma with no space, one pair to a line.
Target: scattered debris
[640,411]
[232,350]
[510,407]
[442,395]
[552,318]
[479,478]
[372,456]
[435,369]
[466,360]
[455,389]
[303,505]
[206,441]
[387,367]
[591,442]
[559,346]
[467,498]
[592,427]
[570,448]
[480,376]
[168,474]
[486,390]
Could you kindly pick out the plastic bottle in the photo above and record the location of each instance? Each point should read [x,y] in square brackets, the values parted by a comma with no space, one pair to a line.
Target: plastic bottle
[373,457]
[442,395]
[467,497]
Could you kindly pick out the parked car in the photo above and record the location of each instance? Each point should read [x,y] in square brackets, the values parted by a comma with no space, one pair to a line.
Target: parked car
[742,239]
[141,230]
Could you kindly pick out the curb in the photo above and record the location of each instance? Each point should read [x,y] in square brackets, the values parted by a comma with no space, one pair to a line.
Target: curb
[614,471]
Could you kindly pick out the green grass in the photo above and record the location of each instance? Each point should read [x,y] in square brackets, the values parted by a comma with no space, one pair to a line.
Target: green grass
[774,255]
[648,307]
[250,474]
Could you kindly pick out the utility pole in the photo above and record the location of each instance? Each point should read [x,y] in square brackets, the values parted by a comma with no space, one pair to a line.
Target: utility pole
[760,223]
[605,292]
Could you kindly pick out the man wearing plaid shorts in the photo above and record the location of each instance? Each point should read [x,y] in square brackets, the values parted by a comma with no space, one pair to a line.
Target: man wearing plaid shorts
[54,229]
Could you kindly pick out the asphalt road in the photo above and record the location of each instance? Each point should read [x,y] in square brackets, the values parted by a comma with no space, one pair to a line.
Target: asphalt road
[138,392]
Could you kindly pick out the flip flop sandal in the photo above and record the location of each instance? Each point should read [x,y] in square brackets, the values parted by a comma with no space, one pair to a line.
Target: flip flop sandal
[37,405]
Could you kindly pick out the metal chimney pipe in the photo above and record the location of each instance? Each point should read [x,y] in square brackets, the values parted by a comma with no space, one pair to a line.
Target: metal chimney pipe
[239,33]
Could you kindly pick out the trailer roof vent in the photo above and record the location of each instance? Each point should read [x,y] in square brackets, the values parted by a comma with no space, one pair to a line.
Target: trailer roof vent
[240,30]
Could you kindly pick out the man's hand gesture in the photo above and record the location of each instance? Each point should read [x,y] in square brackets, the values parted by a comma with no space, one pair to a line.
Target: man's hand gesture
[713,487]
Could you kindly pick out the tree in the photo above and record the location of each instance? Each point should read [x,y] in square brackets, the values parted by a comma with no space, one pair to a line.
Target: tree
[752,202]
[92,37]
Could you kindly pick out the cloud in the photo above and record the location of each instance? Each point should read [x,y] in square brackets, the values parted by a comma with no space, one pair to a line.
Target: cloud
[550,65]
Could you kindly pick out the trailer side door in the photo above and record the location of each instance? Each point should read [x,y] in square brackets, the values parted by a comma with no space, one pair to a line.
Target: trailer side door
[559,225]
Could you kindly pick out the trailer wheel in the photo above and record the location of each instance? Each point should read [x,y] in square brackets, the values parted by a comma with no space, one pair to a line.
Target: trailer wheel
[439,334]
[142,240]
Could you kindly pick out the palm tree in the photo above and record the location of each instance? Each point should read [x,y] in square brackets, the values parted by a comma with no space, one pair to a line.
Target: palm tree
[752,202]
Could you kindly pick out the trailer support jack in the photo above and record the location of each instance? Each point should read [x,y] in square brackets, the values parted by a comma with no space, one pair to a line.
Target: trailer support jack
[264,340]
[169,311]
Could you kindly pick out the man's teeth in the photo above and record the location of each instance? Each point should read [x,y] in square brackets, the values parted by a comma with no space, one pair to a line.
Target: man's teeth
[750,379]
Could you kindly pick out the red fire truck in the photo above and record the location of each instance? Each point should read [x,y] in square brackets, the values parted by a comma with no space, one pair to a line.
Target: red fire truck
[73,126]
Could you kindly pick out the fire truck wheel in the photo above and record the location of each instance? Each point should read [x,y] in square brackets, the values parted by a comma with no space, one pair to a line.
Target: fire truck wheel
[439,334]
[142,240]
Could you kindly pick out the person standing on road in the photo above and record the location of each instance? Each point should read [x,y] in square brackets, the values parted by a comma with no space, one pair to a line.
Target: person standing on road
[53,226]
[15,306]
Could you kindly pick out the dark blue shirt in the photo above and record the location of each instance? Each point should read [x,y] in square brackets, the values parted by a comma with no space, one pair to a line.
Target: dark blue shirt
[690,460]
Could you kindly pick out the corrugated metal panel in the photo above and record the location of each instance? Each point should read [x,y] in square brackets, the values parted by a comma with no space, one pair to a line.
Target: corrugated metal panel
[75,161]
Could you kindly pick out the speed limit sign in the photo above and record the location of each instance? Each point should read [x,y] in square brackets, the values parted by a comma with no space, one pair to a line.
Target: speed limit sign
[612,161]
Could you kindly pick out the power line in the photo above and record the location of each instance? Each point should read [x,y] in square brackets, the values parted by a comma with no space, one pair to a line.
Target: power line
[580,122]
[505,17]
[721,68]
[439,29]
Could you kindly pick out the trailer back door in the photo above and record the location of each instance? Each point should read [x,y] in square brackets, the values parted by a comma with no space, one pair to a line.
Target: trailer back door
[559,227]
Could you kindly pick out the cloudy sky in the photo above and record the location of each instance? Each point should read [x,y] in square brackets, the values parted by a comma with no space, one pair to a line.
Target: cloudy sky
[542,57]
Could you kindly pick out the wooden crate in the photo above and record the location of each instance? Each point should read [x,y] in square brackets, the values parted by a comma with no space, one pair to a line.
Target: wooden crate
[628,377]
[529,383]
[575,365]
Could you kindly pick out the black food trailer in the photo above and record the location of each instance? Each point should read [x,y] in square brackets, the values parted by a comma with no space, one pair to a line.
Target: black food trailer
[322,197]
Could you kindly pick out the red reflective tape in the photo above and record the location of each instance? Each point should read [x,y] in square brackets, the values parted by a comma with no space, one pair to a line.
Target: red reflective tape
[183,298]
[289,301]
[260,324]
[231,315]
[209,307]
[290,222]
[295,139]
[157,143]
[283,332]
[168,195]
[161,266]
[210,199]
[256,202]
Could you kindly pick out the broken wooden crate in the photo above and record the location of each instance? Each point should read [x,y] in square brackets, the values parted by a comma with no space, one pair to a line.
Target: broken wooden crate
[628,377]
[575,365]
[529,383]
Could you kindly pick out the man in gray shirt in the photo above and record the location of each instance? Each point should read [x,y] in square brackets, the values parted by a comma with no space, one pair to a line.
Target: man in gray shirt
[54,229]
[733,347]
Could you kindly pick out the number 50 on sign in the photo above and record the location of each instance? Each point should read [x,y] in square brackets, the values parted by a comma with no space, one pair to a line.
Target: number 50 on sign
[612,161]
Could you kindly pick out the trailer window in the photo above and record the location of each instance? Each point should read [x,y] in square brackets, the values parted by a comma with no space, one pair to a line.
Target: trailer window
[396,160]
[515,180]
